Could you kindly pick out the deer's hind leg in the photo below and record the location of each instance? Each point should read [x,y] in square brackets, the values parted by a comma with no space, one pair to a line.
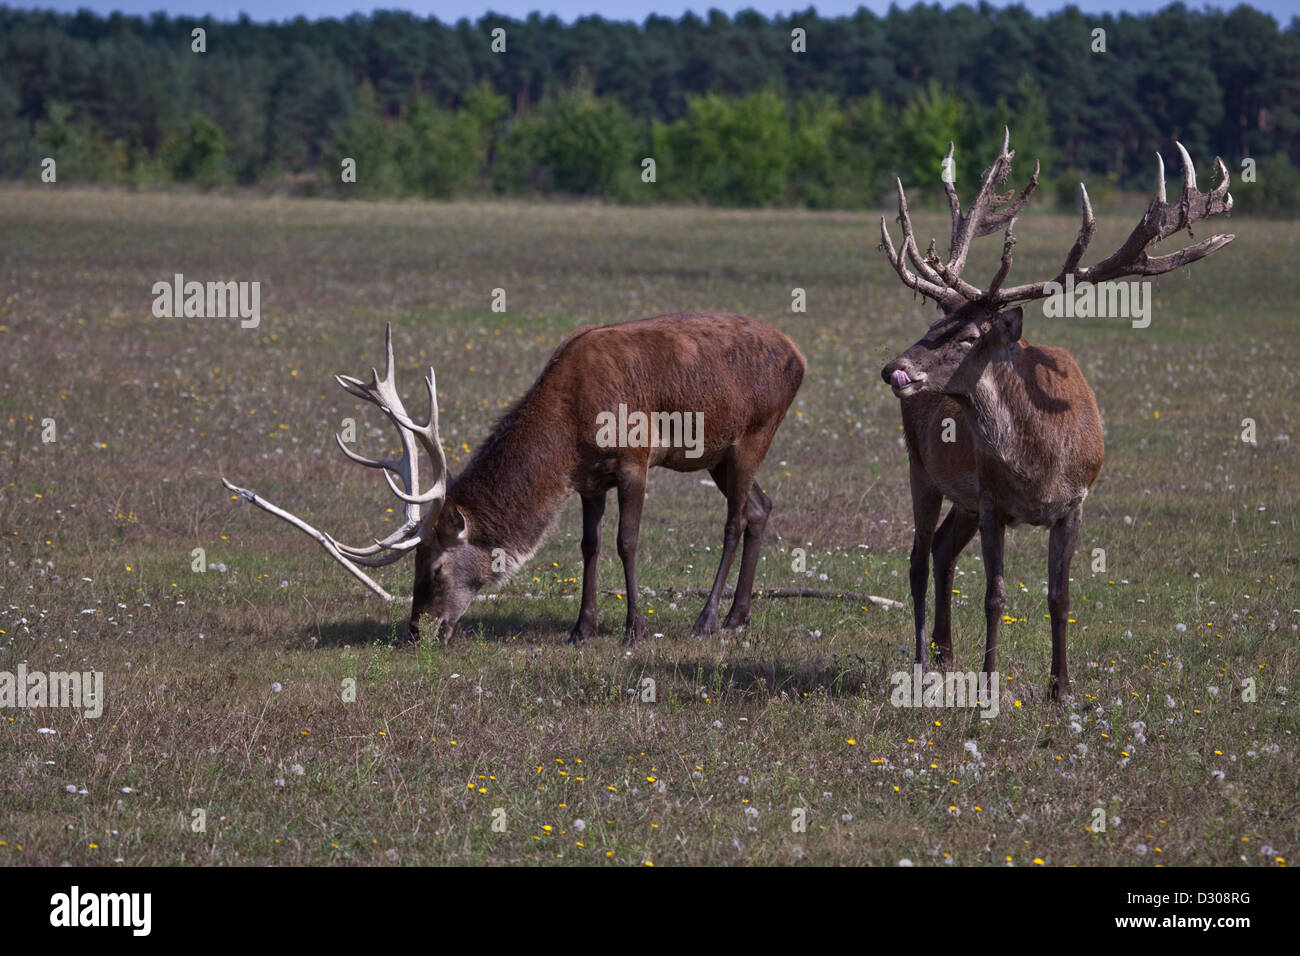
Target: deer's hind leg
[757,508]
[726,475]
[1060,545]
[747,512]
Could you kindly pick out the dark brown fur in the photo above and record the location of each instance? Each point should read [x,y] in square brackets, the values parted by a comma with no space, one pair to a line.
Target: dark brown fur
[740,373]
[1027,446]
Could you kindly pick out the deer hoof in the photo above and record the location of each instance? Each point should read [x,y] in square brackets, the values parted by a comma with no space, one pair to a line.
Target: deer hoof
[583,630]
[734,621]
[706,624]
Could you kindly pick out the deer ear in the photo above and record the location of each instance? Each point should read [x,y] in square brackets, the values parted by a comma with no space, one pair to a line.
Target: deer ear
[1012,321]
[456,529]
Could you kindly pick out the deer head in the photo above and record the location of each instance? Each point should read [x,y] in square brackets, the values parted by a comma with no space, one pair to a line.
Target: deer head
[448,568]
[975,330]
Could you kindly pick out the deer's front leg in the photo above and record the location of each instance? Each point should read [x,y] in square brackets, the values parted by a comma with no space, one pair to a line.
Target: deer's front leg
[992,532]
[631,498]
[1060,552]
[953,535]
[926,505]
[593,509]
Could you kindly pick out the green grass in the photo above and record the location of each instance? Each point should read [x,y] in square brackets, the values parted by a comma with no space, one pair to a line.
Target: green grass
[510,724]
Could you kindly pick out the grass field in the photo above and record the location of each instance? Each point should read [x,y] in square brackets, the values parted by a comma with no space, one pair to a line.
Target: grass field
[1200,596]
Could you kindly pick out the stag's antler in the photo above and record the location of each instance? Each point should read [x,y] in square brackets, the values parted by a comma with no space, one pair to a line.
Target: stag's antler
[943,282]
[940,280]
[382,392]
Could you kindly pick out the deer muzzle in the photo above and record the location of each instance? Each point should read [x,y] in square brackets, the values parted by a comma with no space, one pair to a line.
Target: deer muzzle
[900,380]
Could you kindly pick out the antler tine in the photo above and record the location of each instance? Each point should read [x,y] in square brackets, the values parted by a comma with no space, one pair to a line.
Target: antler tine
[427,434]
[1189,172]
[361,459]
[382,392]
[984,218]
[354,386]
[954,201]
[398,536]
[968,225]
[909,238]
[929,289]
[996,220]
[1085,234]
[435,493]
[325,541]
[1036,290]
[942,281]
[1005,267]
[1160,221]
[388,351]
[1220,192]
[925,280]
[381,558]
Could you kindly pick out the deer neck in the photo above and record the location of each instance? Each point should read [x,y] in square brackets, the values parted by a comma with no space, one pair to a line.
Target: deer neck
[512,489]
[996,412]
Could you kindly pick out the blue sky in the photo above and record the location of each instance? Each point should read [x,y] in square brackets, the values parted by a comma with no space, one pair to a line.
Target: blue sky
[451,10]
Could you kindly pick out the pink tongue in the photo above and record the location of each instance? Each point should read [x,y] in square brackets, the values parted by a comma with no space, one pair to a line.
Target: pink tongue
[900,379]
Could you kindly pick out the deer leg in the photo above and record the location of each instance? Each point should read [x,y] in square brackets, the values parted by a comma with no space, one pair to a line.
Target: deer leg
[992,534]
[926,503]
[593,509]
[953,535]
[631,498]
[757,508]
[726,475]
[1060,552]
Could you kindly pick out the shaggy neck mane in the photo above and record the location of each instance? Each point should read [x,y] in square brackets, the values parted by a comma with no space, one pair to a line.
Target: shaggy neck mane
[1018,440]
[517,479]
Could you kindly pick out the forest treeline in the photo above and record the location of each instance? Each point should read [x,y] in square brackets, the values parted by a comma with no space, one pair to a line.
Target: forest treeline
[745,110]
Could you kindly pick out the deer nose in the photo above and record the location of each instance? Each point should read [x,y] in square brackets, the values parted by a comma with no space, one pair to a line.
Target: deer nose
[887,373]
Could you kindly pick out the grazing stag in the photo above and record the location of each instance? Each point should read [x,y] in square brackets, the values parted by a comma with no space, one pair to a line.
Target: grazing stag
[730,377]
[1031,445]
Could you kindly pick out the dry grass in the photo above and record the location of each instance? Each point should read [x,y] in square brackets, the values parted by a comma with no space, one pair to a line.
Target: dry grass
[1200,530]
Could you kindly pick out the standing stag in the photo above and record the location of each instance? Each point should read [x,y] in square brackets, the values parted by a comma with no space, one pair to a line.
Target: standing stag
[734,375]
[1032,444]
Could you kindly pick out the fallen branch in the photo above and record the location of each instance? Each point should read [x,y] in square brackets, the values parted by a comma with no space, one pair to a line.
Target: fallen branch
[704,592]
[778,593]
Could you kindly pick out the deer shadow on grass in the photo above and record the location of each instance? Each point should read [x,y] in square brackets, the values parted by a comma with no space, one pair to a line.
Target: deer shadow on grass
[358,633]
[757,678]
[493,626]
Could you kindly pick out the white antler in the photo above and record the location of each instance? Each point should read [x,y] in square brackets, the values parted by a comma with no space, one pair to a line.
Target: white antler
[382,392]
